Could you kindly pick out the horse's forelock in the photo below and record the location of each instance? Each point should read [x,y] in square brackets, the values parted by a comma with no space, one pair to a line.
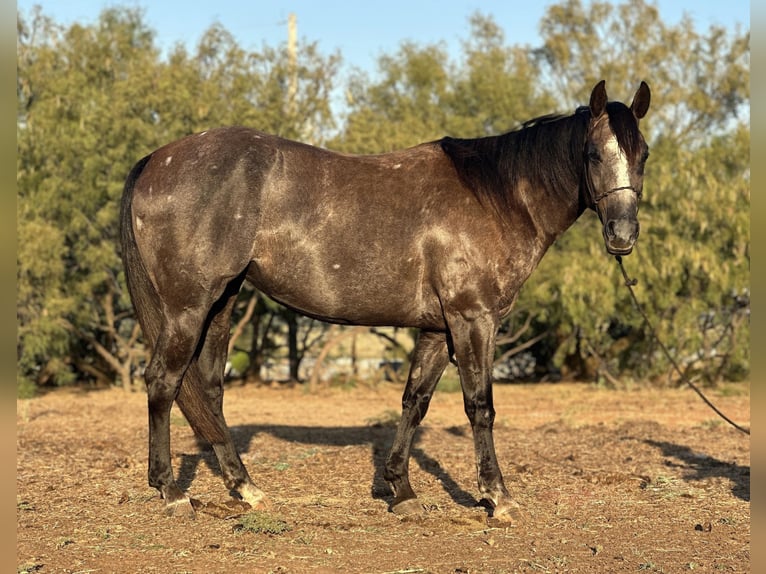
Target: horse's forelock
[625,127]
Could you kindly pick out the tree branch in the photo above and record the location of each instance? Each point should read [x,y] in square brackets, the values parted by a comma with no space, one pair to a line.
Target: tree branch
[328,346]
[523,346]
[242,323]
[511,338]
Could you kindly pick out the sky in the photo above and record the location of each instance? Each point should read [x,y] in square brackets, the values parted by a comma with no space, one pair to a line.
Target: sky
[360,30]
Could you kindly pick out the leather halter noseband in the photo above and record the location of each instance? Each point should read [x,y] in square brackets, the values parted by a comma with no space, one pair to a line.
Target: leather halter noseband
[605,194]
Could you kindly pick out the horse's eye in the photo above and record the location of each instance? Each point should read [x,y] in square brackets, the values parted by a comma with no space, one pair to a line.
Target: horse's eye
[645,156]
[594,156]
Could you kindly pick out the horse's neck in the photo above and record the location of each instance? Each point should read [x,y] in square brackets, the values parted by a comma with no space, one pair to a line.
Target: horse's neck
[549,213]
[544,184]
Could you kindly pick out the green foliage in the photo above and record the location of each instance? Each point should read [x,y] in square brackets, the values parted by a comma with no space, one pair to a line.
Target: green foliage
[450,382]
[699,81]
[422,95]
[259,522]
[700,215]
[239,361]
[94,99]
[692,259]
[72,156]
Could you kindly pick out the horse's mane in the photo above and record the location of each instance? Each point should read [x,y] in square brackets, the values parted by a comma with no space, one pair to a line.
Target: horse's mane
[545,151]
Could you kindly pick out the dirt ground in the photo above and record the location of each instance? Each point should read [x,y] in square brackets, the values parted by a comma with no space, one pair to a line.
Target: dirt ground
[609,481]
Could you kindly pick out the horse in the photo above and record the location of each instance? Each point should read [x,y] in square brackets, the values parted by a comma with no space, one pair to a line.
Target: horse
[438,237]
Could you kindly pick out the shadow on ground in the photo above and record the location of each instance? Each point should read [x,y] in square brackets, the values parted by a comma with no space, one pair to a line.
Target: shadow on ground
[699,466]
[378,437]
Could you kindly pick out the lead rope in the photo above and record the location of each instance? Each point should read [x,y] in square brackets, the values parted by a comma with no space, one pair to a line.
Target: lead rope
[629,283]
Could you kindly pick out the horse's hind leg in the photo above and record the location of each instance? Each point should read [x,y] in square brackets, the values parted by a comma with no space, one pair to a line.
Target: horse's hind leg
[205,412]
[172,354]
[430,358]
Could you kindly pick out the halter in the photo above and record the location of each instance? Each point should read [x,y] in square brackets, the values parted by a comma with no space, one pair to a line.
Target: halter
[605,194]
[596,198]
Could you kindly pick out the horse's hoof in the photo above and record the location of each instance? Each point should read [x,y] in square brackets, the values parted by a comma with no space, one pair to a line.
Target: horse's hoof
[407,507]
[255,497]
[264,504]
[507,513]
[181,508]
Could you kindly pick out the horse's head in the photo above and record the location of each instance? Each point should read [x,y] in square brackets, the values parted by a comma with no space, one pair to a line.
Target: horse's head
[615,154]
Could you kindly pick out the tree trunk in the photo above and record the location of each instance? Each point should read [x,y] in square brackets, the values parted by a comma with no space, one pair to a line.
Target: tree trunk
[335,336]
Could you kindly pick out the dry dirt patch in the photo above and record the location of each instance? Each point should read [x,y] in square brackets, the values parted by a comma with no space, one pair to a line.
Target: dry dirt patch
[628,481]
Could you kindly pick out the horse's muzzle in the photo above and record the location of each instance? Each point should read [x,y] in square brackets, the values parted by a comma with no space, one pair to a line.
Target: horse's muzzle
[620,235]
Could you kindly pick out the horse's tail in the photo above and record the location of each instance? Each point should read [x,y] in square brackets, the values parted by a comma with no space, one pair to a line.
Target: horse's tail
[191,398]
[145,299]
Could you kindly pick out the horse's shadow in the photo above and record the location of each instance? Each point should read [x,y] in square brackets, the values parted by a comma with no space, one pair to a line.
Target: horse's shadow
[698,466]
[378,437]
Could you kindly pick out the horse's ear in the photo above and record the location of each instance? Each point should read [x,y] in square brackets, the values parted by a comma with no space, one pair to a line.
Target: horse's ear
[598,100]
[641,100]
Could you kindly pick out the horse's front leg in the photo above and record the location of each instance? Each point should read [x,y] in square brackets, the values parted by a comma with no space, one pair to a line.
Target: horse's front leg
[473,336]
[429,360]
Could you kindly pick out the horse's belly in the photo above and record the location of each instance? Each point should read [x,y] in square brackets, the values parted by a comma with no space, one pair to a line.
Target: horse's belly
[345,290]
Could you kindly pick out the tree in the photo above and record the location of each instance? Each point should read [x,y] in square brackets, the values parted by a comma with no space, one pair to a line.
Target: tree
[700,81]
[693,254]
[92,101]
[697,126]
[79,120]
[422,95]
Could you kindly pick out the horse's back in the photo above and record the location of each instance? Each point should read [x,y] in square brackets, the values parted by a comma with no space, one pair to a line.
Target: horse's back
[233,166]
[346,238]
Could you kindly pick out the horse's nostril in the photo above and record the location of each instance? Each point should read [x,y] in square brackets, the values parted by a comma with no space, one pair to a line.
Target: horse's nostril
[610,228]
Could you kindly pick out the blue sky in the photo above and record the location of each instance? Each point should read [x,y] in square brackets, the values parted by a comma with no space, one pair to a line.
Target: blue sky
[361,31]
